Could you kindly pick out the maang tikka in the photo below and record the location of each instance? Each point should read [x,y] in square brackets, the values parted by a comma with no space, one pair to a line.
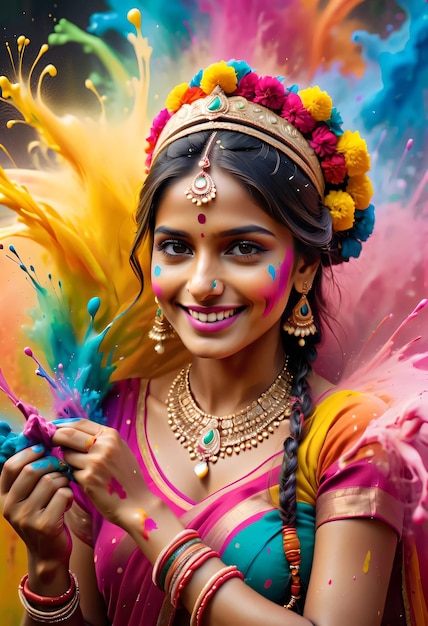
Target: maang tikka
[161,330]
[301,321]
[202,188]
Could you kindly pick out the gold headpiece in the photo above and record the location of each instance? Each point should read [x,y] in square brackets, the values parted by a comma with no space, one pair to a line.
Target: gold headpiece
[217,111]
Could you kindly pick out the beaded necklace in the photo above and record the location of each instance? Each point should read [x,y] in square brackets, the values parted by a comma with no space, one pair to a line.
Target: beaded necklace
[208,437]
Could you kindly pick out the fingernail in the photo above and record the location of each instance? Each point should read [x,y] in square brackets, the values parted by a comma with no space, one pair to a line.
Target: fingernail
[66,420]
[38,448]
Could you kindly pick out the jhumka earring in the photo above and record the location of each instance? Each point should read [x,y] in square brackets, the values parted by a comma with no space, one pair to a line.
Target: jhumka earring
[202,188]
[301,321]
[161,331]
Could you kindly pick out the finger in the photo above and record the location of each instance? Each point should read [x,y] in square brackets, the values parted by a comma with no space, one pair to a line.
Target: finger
[15,465]
[77,439]
[22,503]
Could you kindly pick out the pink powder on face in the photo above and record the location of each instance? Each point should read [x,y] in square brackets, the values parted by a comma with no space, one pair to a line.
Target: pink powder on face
[156,289]
[115,487]
[278,282]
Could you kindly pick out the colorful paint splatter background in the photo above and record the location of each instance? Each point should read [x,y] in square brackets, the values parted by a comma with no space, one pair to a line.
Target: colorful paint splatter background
[80,160]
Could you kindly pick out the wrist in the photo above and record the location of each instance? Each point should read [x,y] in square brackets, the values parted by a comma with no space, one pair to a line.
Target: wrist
[48,577]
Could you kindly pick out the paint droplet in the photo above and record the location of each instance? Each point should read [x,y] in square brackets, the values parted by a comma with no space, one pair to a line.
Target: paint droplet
[202,218]
[237,546]
[157,271]
[367,560]
[272,271]
[114,540]
[354,578]
[268,583]
[330,581]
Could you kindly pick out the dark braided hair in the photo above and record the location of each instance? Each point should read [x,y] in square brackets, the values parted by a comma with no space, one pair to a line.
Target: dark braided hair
[278,186]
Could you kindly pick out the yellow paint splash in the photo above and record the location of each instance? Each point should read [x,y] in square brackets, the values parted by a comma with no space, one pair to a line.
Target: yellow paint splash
[366,565]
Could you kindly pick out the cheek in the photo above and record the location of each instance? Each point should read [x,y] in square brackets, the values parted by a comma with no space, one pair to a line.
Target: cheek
[156,276]
[278,278]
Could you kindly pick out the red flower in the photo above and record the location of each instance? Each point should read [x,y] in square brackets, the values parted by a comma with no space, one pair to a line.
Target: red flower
[295,113]
[334,168]
[323,141]
[270,93]
[193,94]
[247,86]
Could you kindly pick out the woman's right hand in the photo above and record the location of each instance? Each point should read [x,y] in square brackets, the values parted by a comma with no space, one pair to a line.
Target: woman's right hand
[35,498]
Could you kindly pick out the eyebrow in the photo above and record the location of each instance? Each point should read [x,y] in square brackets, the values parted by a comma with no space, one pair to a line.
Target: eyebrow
[232,232]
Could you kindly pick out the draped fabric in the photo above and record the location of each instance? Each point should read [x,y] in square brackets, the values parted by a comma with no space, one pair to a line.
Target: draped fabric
[241,520]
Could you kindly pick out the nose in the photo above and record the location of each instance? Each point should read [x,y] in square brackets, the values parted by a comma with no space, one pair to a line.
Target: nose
[205,283]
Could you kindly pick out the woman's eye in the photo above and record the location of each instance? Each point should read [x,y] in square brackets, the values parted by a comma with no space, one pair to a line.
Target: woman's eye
[173,248]
[245,248]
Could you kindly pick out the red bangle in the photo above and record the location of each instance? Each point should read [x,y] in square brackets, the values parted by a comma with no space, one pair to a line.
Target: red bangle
[186,577]
[34,598]
[210,589]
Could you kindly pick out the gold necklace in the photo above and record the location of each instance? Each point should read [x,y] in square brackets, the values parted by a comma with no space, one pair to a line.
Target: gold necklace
[208,437]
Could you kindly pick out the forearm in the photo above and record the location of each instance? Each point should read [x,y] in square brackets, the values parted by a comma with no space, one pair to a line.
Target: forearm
[234,601]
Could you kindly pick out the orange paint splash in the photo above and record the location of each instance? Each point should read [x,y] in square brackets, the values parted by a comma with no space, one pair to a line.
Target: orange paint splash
[147,523]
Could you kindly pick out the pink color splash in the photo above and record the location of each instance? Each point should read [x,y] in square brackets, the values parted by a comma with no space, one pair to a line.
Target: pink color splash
[115,487]
[148,524]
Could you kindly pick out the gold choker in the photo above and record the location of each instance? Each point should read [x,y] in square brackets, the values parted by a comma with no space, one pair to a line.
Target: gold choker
[208,437]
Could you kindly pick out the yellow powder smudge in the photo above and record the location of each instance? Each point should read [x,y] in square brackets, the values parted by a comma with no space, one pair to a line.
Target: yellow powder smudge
[367,560]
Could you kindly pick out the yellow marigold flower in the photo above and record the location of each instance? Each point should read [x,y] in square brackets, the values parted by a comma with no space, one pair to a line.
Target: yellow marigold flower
[342,209]
[220,74]
[317,102]
[354,149]
[361,189]
[174,99]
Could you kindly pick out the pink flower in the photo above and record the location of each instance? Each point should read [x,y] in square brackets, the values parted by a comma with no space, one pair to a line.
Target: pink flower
[158,125]
[334,168]
[323,141]
[295,113]
[247,86]
[270,93]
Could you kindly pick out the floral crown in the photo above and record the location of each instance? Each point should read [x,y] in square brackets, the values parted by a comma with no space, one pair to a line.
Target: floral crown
[301,123]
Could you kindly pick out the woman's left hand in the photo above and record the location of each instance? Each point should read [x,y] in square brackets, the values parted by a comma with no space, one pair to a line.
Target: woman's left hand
[105,467]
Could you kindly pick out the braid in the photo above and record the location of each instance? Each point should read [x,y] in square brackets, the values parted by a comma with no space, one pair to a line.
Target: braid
[302,408]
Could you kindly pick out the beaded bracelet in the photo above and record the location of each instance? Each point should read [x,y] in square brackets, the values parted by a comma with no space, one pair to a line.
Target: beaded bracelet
[160,566]
[209,590]
[34,598]
[61,614]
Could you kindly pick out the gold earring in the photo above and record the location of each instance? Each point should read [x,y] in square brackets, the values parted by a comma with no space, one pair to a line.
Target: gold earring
[301,321]
[161,331]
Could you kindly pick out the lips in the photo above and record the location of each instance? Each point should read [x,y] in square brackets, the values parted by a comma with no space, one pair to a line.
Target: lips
[213,319]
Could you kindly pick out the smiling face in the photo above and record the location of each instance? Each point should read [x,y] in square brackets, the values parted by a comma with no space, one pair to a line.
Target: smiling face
[222,272]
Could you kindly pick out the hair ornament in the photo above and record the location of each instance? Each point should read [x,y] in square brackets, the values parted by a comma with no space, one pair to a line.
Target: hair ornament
[302,124]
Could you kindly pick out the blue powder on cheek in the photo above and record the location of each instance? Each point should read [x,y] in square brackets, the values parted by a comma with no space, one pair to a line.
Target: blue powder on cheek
[272,271]
[157,271]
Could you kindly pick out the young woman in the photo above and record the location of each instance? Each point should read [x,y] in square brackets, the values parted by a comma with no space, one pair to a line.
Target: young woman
[222,493]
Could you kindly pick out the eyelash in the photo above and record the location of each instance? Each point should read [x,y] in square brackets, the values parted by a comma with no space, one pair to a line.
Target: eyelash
[258,249]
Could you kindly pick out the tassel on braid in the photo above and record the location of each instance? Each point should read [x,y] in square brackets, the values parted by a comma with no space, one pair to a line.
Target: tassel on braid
[302,408]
